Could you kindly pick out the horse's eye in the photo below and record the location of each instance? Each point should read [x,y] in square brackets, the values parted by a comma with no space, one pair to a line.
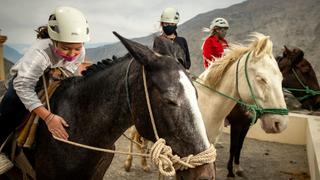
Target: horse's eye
[261,80]
[170,102]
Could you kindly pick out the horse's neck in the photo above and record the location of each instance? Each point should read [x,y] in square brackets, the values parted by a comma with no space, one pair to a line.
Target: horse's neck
[215,107]
[98,113]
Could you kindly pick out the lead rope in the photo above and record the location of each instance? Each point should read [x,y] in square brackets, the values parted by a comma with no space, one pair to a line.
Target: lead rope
[46,92]
[160,153]
[309,92]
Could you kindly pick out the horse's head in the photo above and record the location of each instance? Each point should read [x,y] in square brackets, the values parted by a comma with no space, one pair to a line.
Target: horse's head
[174,106]
[298,74]
[165,46]
[259,69]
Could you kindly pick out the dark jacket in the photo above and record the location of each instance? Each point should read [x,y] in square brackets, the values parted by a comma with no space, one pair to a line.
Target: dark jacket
[163,45]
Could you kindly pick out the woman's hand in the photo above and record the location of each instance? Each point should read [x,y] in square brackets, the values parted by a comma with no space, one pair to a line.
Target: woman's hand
[56,125]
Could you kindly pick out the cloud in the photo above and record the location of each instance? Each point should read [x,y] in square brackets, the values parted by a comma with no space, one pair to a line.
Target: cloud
[132,18]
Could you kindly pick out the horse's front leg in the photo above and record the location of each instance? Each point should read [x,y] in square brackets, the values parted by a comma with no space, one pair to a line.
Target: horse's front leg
[143,150]
[242,136]
[233,146]
[128,163]
[103,165]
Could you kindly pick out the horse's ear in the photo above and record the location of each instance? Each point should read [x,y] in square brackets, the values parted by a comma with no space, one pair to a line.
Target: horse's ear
[139,52]
[264,46]
[297,56]
[286,51]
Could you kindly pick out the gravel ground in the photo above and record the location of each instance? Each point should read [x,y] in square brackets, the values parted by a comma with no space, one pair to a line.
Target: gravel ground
[260,161]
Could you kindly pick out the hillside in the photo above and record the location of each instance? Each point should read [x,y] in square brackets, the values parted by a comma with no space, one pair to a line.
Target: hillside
[288,22]
[117,49]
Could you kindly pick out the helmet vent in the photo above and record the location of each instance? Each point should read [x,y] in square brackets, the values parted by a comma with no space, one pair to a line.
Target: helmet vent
[55,28]
[52,17]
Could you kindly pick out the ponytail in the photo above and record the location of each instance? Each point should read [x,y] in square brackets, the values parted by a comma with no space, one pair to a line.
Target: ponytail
[42,32]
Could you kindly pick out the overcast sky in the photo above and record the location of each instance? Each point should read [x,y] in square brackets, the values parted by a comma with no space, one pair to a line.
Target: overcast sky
[131,18]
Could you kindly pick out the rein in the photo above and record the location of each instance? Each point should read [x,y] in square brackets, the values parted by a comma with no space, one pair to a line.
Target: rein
[160,153]
[254,108]
[309,92]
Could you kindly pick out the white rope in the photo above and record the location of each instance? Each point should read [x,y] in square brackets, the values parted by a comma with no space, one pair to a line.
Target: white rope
[46,92]
[63,72]
[161,155]
[133,141]
[99,149]
[148,103]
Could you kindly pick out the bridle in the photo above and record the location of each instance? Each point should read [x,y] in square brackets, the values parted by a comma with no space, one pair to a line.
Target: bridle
[306,89]
[255,108]
[161,154]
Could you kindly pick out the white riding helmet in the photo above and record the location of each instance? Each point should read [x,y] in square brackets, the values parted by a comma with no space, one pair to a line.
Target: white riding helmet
[219,22]
[170,15]
[67,24]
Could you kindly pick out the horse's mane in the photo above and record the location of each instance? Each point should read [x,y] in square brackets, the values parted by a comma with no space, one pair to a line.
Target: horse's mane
[259,44]
[93,69]
[103,64]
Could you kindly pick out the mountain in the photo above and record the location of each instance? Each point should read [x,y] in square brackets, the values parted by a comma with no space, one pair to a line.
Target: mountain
[117,49]
[21,48]
[288,22]
[94,45]
[11,54]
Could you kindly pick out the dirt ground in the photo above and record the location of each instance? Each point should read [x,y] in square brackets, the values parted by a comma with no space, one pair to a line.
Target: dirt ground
[260,160]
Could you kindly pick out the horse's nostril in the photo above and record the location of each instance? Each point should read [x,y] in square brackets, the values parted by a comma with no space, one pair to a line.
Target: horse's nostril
[277,126]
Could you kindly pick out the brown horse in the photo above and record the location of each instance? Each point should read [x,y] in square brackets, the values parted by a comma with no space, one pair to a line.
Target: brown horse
[299,78]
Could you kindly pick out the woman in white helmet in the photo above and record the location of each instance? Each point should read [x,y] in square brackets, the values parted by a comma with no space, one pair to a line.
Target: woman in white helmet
[215,45]
[60,44]
[168,21]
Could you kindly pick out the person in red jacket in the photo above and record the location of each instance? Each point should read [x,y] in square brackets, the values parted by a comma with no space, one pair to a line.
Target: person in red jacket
[214,46]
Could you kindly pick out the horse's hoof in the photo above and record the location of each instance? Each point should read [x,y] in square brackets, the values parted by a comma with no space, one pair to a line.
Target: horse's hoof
[241,174]
[127,166]
[231,175]
[146,168]
[230,178]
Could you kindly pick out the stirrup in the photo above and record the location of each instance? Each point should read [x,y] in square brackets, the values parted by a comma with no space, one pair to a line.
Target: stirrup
[5,164]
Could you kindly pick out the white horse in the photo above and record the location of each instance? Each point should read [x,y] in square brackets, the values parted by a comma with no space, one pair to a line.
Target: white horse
[244,66]
[228,76]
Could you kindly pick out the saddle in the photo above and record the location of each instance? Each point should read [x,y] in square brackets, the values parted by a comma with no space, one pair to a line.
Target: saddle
[24,135]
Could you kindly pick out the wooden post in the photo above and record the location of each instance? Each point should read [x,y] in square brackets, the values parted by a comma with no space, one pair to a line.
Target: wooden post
[2,68]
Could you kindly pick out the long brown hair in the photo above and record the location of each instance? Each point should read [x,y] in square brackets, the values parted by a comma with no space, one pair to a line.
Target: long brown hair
[42,32]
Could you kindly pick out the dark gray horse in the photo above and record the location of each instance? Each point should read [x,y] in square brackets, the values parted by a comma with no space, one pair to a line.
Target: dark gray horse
[107,100]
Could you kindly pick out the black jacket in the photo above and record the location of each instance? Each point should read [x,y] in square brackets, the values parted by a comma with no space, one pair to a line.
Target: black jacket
[166,46]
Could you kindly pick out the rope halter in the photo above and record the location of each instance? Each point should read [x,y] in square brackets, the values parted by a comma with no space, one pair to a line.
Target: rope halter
[309,92]
[161,154]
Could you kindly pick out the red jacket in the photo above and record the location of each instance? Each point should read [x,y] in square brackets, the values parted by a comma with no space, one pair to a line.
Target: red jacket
[213,48]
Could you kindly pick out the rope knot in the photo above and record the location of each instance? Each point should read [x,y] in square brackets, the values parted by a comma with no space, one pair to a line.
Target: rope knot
[167,163]
[311,91]
[160,155]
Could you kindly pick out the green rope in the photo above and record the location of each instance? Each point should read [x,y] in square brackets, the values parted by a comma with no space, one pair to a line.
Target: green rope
[256,110]
[309,92]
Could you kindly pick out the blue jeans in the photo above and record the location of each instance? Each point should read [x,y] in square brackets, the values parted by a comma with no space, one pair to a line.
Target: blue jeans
[12,112]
